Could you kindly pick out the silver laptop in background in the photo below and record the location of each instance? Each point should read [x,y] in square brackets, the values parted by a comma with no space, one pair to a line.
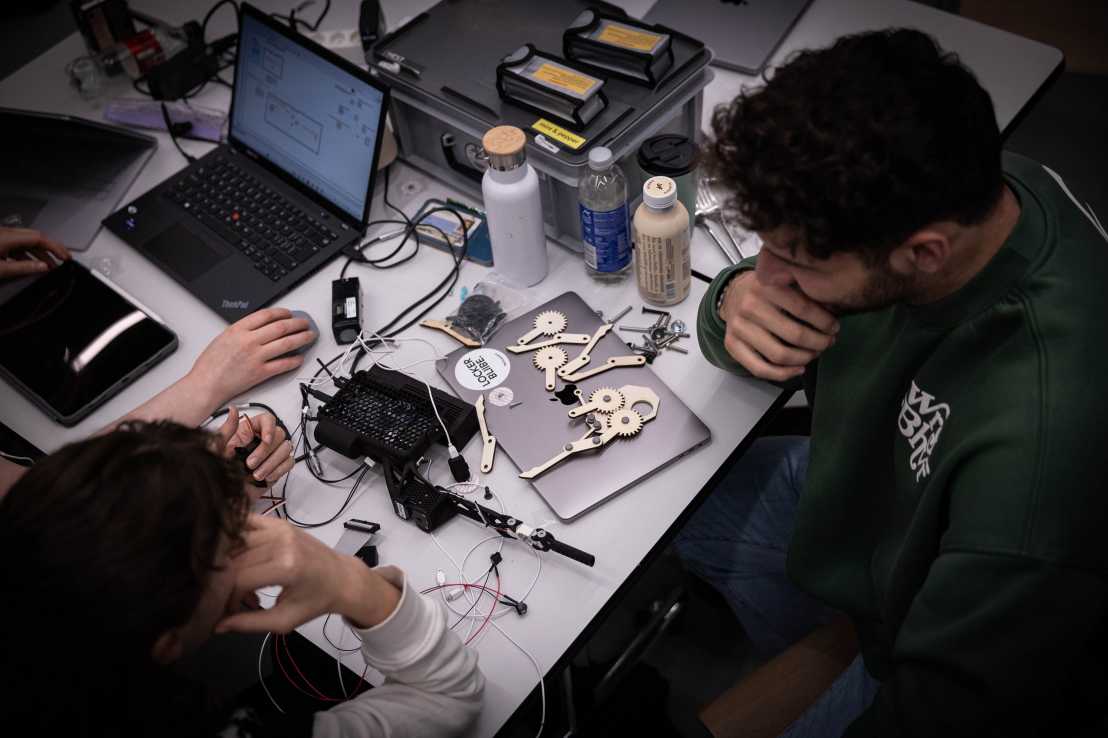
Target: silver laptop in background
[535,430]
[742,34]
[62,174]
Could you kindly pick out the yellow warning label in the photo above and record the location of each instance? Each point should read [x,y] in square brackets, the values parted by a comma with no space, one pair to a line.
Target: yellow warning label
[567,79]
[559,134]
[629,38]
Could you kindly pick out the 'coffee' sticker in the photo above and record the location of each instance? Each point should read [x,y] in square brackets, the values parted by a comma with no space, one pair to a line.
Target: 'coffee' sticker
[482,369]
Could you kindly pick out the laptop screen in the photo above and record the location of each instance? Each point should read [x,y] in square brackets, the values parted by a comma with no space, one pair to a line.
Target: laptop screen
[306,115]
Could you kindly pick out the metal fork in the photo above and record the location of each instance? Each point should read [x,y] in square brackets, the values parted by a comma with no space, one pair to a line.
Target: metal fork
[708,209]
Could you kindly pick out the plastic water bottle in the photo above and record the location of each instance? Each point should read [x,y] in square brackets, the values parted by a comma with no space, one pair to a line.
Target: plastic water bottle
[604,228]
[513,206]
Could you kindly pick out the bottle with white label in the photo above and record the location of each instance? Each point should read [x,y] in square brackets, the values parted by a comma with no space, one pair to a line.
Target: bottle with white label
[660,231]
[604,228]
[513,208]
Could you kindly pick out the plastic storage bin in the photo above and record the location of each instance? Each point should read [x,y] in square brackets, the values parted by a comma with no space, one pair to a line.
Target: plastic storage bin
[440,115]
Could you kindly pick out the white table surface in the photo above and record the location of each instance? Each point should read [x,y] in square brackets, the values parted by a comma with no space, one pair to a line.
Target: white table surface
[621,532]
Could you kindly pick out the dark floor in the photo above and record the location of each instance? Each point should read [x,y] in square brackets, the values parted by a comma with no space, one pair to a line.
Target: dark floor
[704,652]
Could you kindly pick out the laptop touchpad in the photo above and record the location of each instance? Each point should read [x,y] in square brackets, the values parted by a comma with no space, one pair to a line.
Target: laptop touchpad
[184,252]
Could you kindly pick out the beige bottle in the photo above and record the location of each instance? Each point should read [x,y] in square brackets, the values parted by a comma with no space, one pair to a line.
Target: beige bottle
[660,230]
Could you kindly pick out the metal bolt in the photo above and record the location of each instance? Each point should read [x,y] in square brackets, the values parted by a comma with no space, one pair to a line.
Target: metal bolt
[635,329]
[595,441]
[621,314]
[678,349]
[625,420]
[567,447]
[678,326]
[517,402]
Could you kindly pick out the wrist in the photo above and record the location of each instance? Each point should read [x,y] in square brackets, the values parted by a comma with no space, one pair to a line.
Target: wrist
[203,393]
[367,599]
[725,288]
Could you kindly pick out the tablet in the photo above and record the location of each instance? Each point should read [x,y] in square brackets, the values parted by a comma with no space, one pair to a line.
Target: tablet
[70,340]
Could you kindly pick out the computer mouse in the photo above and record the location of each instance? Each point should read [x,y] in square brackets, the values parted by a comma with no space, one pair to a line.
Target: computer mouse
[311,326]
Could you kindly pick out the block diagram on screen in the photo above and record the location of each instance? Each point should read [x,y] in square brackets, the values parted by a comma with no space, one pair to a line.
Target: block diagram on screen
[293,123]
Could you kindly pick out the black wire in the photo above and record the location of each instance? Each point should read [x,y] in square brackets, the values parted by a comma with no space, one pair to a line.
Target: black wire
[344,650]
[333,518]
[295,22]
[480,594]
[173,135]
[211,12]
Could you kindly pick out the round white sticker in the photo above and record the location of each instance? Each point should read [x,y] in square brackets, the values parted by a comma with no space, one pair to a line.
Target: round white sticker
[501,396]
[482,369]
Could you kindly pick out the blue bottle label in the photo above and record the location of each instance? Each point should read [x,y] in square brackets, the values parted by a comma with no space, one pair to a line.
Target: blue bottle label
[606,239]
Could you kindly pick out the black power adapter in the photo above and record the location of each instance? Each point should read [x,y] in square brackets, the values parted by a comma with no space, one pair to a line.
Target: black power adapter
[346,309]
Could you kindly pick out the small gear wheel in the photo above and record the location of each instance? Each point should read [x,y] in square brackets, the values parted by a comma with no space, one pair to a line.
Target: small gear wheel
[550,357]
[606,400]
[626,422]
[551,322]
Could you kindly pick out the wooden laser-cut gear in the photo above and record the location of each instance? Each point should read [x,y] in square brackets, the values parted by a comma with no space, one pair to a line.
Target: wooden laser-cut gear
[612,363]
[586,353]
[489,440]
[624,422]
[603,400]
[558,339]
[547,323]
[548,360]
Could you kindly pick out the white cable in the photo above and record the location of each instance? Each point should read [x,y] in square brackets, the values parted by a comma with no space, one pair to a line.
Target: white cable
[404,370]
[261,678]
[17,457]
[338,662]
[538,670]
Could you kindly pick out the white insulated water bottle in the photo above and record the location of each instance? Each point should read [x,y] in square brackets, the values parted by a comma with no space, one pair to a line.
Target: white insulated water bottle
[513,207]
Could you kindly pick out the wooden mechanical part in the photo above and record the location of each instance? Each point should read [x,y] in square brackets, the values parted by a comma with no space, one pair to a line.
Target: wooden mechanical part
[622,421]
[489,440]
[450,330]
[548,360]
[611,363]
[560,338]
[585,355]
[547,323]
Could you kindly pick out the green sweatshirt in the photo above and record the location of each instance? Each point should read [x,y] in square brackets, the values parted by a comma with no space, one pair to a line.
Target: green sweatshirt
[954,506]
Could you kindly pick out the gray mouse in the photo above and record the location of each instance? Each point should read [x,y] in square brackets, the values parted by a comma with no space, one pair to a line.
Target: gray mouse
[311,326]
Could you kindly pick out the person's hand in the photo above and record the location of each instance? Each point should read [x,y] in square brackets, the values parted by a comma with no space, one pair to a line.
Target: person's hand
[774,331]
[314,580]
[16,240]
[272,459]
[247,353]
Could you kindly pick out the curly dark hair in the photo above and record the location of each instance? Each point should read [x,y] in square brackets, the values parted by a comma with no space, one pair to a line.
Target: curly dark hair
[860,144]
[107,543]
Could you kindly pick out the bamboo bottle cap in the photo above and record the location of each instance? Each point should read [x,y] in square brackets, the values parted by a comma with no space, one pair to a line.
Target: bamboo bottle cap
[505,147]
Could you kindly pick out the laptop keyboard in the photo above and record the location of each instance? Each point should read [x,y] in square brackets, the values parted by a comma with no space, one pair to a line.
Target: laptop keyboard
[266,227]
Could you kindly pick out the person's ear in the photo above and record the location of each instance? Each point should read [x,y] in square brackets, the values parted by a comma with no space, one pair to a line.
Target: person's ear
[924,252]
[168,648]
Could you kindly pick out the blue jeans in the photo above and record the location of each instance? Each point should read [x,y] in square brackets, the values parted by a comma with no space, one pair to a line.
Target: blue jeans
[737,543]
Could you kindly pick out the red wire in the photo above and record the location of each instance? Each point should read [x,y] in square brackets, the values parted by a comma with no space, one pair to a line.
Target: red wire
[277,658]
[495,602]
[307,681]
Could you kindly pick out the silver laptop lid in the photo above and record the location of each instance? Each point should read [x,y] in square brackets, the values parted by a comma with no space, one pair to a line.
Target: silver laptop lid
[742,35]
[534,431]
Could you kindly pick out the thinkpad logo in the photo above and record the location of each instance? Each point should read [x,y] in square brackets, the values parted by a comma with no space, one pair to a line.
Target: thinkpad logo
[235,304]
[921,421]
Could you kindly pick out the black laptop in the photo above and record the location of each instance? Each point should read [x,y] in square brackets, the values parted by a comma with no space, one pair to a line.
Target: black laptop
[292,187]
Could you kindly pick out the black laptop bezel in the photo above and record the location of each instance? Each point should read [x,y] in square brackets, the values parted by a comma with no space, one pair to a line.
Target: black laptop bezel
[249,10]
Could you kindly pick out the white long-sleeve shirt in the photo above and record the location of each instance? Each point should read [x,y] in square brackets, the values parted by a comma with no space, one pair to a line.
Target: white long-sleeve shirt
[432,683]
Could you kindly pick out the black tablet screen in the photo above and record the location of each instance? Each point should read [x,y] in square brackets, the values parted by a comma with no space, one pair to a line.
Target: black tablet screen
[70,339]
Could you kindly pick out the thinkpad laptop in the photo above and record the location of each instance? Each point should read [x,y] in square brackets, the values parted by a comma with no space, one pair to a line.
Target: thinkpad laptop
[289,190]
[741,35]
[531,425]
